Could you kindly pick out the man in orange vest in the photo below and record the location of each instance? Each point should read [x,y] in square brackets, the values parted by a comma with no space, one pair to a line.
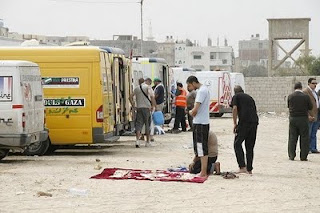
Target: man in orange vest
[181,104]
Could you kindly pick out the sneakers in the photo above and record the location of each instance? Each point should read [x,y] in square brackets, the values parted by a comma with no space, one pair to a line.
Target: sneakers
[147,144]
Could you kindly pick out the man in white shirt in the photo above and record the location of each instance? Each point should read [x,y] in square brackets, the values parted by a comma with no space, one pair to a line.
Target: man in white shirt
[200,114]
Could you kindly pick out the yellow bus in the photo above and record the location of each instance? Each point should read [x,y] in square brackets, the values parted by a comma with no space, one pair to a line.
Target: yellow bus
[84,98]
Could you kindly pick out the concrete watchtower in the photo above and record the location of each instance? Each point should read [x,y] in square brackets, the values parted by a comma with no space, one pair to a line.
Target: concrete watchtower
[285,29]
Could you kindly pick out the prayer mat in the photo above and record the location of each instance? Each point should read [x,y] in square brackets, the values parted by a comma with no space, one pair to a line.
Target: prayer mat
[157,175]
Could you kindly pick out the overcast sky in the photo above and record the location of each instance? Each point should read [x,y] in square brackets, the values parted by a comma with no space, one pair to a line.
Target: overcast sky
[195,19]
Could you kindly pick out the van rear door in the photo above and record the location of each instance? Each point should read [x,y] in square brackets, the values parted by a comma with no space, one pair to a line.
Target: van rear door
[67,89]
[108,100]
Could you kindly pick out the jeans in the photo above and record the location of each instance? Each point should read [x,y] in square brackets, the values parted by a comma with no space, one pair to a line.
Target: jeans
[313,128]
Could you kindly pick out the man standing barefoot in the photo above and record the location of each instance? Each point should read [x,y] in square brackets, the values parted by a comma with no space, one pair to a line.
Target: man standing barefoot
[244,108]
[200,114]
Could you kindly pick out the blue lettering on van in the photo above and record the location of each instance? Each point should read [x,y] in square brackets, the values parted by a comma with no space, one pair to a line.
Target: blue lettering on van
[8,121]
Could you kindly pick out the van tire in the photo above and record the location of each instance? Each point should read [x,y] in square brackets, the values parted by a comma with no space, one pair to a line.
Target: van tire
[3,153]
[39,148]
[52,149]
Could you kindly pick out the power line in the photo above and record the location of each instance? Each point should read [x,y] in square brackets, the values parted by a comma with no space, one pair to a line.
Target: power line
[96,2]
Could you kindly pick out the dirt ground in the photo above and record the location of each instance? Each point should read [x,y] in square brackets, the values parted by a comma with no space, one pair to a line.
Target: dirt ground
[277,184]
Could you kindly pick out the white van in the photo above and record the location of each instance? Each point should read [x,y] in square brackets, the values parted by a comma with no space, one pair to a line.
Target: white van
[22,116]
[218,83]
[237,78]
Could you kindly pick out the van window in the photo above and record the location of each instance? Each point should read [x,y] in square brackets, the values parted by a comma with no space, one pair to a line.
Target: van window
[6,88]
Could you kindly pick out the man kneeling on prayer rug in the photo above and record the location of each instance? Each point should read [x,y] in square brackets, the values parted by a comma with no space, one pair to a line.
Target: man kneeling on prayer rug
[213,166]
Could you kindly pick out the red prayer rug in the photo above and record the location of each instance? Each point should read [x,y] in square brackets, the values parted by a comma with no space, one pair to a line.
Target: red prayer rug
[158,175]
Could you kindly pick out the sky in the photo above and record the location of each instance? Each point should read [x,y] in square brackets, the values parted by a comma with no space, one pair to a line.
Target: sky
[194,19]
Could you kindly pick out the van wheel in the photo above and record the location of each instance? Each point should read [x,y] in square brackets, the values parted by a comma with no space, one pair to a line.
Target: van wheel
[3,153]
[217,115]
[52,149]
[39,148]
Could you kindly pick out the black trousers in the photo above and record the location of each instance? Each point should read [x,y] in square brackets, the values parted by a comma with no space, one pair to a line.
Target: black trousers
[180,119]
[298,126]
[245,132]
[197,165]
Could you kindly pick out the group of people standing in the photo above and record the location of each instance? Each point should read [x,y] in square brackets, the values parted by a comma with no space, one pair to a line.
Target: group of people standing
[147,100]
[196,105]
[205,145]
[304,119]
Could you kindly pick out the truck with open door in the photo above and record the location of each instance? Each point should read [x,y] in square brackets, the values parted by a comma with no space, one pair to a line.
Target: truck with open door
[154,68]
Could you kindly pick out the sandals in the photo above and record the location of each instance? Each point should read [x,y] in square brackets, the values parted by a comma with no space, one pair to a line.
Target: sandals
[229,175]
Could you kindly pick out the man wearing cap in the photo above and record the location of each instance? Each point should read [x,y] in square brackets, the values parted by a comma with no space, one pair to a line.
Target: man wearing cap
[159,94]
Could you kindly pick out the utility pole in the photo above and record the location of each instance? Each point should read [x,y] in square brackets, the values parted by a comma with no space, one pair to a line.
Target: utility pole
[141,4]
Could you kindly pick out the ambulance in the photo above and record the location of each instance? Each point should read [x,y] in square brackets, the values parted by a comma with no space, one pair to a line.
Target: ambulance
[237,78]
[218,83]
[22,112]
[154,68]
[82,99]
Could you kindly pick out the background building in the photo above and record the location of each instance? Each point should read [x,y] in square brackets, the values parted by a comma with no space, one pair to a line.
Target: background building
[254,52]
[129,43]
[204,58]
[166,50]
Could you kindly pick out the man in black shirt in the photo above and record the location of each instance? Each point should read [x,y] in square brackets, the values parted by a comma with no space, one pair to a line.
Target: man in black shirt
[244,108]
[298,104]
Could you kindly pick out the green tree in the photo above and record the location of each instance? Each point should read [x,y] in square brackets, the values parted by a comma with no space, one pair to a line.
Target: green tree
[305,63]
[315,67]
[255,71]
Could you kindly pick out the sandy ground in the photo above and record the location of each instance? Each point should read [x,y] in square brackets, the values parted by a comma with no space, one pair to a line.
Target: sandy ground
[277,185]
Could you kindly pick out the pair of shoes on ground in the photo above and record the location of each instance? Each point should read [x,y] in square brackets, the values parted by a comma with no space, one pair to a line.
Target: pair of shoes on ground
[300,159]
[314,152]
[176,131]
[147,144]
